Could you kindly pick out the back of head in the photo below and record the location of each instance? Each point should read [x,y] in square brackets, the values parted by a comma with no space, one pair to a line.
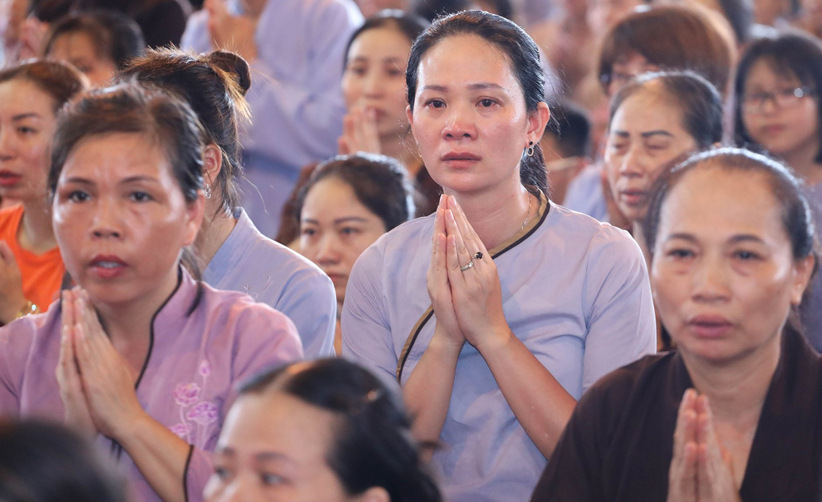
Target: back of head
[571,126]
[115,36]
[42,462]
[520,50]
[791,52]
[672,37]
[373,443]
[699,102]
[380,184]
[214,85]
[62,82]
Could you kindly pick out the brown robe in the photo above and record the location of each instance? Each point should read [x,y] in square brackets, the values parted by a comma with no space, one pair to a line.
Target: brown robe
[619,443]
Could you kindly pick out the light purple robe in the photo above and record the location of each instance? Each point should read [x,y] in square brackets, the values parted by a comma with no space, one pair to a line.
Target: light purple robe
[187,381]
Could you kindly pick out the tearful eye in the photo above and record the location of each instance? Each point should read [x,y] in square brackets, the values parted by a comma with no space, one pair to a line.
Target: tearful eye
[486,103]
[78,196]
[435,103]
[140,197]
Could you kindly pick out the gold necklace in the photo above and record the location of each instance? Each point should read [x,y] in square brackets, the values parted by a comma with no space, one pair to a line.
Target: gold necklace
[527,214]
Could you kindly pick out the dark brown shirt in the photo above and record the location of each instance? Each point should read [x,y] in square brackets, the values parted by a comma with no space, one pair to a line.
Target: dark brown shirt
[619,443]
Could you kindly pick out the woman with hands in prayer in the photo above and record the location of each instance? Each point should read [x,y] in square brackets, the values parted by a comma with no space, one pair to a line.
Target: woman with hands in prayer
[735,413]
[140,355]
[498,311]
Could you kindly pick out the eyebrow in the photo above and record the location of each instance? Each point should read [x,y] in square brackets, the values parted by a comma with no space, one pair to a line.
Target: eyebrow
[733,240]
[140,178]
[359,219]
[647,134]
[473,87]
[26,116]
[263,456]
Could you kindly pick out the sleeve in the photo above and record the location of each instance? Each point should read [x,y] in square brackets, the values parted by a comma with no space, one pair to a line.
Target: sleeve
[366,332]
[621,323]
[16,341]
[574,469]
[311,303]
[199,469]
[295,96]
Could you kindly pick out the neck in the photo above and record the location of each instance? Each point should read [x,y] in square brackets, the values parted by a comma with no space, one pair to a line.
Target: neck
[639,237]
[803,162]
[36,233]
[217,226]
[131,321]
[398,147]
[736,390]
[499,214]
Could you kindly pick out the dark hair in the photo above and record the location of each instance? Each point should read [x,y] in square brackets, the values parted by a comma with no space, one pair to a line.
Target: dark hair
[406,23]
[571,126]
[49,11]
[115,36]
[740,15]
[673,37]
[796,216]
[380,184]
[520,50]
[214,85]
[41,462]
[61,81]
[133,109]
[792,53]
[698,100]
[373,444]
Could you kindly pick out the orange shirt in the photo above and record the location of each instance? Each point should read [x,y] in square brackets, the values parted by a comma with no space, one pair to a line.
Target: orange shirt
[42,274]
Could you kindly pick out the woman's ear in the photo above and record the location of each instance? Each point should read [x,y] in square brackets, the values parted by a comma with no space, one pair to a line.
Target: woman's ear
[374,494]
[803,269]
[212,163]
[537,121]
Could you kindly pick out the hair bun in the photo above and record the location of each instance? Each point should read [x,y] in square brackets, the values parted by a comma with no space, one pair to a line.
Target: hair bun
[234,64]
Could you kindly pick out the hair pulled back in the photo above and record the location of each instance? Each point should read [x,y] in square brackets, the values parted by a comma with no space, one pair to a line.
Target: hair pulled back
[380,184]
[406,23]
[60,81]
[42,462]
[373,446]
[519,49]
[214,85]
[672,37]
[793,53]
[697,99]
[115,36]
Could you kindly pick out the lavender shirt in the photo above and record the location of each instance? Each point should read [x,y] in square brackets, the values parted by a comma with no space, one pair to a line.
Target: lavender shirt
[271,273]
[187,383]
[575,292]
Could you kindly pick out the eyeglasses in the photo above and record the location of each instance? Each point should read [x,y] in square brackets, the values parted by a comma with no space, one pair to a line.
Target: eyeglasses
[754,103]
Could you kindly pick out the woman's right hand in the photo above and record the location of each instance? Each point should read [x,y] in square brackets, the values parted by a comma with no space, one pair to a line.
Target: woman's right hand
[447,330]
[77,414]
[11,285]
[360,133]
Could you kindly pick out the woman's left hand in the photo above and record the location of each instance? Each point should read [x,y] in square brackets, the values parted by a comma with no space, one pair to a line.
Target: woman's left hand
[233,33]
[715,470]
[476,291]
[107,381]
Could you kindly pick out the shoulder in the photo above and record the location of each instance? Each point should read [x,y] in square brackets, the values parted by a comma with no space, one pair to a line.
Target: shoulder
[402,244]
[238,311]
[597,237]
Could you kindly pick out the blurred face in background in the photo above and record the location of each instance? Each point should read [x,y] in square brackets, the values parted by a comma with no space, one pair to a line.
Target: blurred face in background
[78,49]
[374,78]
[335,228]
[603,14]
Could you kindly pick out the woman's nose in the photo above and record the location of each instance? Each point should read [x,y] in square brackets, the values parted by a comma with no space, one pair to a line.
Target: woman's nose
[459,124]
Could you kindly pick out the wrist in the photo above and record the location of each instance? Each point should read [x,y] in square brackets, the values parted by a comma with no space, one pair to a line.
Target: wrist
[495,340]
[442,344]
[132,429]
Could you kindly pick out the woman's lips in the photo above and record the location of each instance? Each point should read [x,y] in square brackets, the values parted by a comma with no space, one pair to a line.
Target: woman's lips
[710,326]
[460,160]
[8,178]
[107,266]
[633,197]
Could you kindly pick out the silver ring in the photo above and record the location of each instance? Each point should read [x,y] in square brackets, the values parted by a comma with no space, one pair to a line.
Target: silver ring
[466,267]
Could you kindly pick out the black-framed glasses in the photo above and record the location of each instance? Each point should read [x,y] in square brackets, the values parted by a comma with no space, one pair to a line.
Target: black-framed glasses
[754,102]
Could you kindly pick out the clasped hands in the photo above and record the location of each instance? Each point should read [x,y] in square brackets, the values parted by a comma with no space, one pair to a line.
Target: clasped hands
[467,302]
[96,386]
[700,470]
[233,33]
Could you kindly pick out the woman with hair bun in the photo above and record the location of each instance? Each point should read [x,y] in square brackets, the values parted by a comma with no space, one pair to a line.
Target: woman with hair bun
[141,356]
[325,430]
[496,313]
[236,256]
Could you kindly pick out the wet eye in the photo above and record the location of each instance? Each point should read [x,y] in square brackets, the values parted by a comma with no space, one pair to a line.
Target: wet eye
[140,197]
[270,479]
[487,103]
[435,103]
[680,254]
[78,196]
[746,255]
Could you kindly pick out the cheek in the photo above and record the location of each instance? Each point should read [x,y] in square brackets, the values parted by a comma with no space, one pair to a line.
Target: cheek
[350,90]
